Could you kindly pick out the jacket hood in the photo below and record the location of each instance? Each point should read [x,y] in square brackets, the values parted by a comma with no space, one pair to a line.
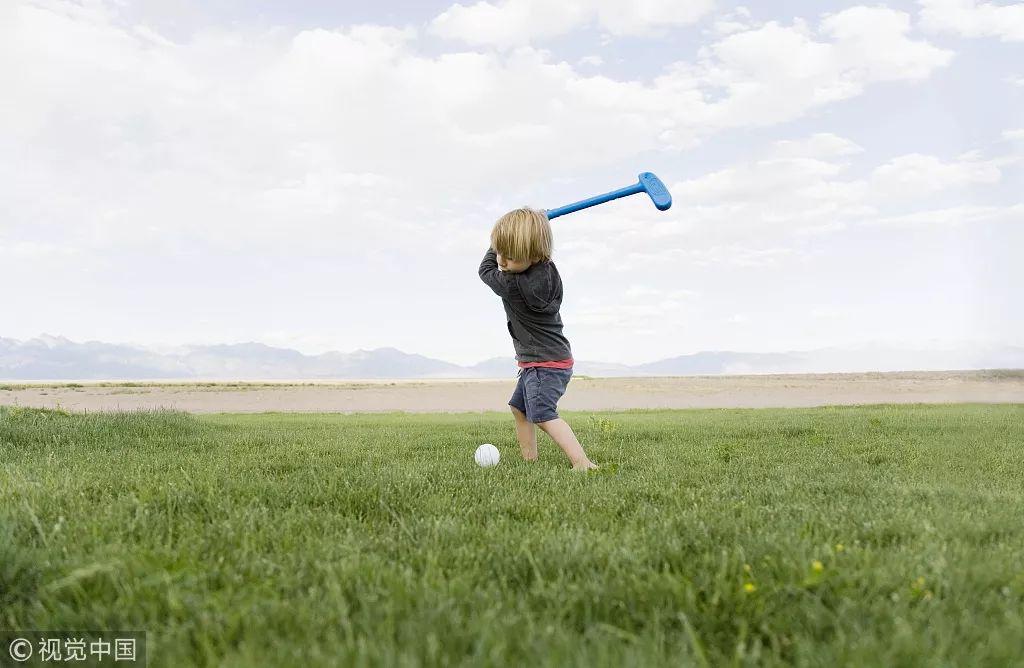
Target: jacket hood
[541,287]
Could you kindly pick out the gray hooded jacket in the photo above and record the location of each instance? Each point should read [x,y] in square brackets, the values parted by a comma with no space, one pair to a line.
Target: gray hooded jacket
[531,299]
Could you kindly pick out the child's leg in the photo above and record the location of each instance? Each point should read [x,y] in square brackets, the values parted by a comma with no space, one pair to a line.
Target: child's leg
[527,435]
[562,434]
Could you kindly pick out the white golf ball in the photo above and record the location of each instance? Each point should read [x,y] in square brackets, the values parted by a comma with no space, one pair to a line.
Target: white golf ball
[487,455]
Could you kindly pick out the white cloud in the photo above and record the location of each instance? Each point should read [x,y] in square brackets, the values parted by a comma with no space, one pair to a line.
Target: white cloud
[958,215]
[820,145]
[777,193]
[777,73]
[634,309]
[802,183]
[512,23]
[764,213]
[873,42]
[969,18]
[631,254]
[593,60]
[519,22]
[328,140]
[36,251]
[647,292]
[764,210]
[737,20]
[1016,134]
[915,175]
[646,17]
[828,313]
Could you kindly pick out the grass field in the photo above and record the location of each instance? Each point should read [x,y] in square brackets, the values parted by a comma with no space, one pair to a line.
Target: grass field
[875,535]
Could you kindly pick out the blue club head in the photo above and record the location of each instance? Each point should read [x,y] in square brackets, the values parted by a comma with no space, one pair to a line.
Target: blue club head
[659,194]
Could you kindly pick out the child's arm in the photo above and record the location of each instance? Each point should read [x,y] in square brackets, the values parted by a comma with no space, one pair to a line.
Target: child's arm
[495,278]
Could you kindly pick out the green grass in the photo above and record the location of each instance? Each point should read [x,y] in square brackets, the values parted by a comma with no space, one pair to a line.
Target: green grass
[375,540]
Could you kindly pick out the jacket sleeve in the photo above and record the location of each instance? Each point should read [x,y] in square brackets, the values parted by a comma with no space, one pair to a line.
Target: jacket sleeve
[495,279]
[542,288]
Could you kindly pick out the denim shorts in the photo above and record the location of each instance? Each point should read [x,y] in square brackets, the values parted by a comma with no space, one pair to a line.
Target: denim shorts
[538,391]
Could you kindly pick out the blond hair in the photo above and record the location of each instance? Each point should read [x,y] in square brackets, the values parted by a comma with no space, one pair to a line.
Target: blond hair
[523,234]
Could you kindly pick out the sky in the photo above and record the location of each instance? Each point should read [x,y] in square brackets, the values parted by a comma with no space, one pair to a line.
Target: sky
[324,175]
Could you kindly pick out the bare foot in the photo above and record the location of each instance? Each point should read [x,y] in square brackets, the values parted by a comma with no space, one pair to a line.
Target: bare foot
[585,466]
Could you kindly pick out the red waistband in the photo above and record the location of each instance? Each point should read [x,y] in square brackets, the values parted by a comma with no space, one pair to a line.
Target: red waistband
[556,364]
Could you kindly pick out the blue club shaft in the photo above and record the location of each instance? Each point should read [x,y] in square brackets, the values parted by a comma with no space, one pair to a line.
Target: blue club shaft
[594,201]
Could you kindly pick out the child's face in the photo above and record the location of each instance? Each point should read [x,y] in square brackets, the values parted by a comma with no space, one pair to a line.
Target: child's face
[512,266]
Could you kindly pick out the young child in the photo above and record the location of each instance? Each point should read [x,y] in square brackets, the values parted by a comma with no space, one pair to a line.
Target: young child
[519,269]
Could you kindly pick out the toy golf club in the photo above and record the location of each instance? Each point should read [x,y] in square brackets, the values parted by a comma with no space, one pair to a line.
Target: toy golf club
[649,183]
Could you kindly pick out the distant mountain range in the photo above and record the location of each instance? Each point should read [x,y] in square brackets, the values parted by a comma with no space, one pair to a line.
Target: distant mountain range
[55,357]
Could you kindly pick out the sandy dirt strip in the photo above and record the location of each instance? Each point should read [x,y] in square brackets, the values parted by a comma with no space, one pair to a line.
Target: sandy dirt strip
[584,393]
